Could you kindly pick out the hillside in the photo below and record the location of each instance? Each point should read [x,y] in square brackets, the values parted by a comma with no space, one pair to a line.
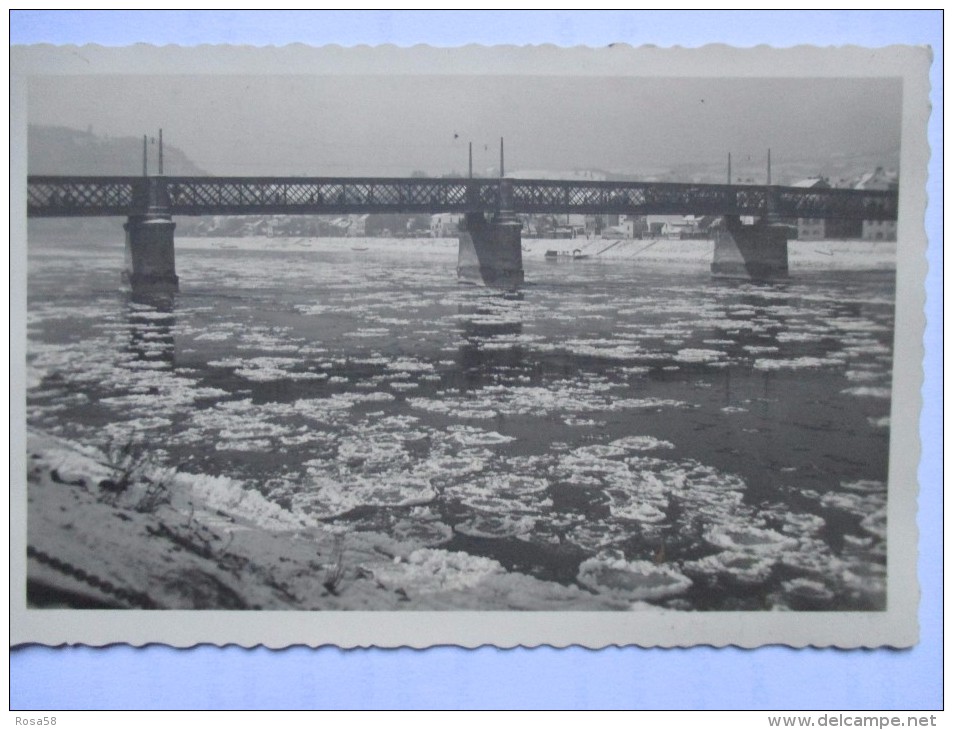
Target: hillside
[64,151]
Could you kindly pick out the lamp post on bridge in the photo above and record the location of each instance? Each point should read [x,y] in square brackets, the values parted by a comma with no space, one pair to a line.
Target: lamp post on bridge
[504,211]
[145,154]
[771,198]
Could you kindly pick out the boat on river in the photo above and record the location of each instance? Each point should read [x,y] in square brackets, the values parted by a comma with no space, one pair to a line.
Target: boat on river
[574,255]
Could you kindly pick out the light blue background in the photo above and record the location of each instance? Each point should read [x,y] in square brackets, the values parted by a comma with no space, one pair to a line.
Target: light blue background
[446,677]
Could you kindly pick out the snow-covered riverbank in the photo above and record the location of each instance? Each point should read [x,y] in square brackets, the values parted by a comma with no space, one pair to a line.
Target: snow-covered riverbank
[212,542]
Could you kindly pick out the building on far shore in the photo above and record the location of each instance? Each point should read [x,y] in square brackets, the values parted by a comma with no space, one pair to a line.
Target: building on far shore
[817,229]
[811,229]
[678,226]
[698,226]
[357,225]
[626,226]
[872,230]
[659,226]
[445,225]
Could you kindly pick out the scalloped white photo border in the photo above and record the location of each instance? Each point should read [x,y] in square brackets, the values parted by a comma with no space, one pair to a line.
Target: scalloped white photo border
[896,626]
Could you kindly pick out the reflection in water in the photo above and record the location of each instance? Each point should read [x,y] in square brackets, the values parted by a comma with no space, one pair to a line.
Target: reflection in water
[488,345]
[151,323]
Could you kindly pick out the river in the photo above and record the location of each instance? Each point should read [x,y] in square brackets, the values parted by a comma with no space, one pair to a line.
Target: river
[734,434]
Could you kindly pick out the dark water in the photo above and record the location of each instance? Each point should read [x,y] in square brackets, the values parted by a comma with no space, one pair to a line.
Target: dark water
[725,443]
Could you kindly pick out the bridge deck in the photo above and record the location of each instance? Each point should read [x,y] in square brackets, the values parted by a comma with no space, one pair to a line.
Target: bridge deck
[67,196]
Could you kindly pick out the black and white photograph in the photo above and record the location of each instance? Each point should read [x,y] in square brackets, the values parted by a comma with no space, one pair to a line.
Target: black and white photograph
[337,340]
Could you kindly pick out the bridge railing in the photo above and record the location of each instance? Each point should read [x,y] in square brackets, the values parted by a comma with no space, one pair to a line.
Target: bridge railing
[855,204]
[80,196]
[634,198]
[89,196]
[222,196]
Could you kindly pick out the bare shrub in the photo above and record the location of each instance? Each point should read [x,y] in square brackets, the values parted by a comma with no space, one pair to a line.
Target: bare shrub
[156,492]
[335,570]
[126,461]
[130,464]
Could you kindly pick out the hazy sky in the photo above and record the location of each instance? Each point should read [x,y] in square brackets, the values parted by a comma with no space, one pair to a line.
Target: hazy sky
[321,125]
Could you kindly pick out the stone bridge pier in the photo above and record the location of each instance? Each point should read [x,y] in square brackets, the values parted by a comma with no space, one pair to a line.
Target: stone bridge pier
[150,244]
[757,251]
[490,251]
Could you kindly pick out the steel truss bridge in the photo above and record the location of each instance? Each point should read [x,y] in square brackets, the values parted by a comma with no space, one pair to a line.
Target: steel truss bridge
[69,196]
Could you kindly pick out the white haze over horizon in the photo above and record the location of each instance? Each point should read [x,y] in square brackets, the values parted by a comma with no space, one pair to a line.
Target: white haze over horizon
[392,126]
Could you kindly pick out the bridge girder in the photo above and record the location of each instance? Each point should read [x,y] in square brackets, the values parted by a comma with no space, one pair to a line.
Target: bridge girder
[66,196]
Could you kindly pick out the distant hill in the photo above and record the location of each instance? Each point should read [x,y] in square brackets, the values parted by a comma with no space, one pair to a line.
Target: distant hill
[64,151]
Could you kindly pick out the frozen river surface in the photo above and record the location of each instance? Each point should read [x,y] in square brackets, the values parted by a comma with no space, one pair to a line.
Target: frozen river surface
[623,428]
